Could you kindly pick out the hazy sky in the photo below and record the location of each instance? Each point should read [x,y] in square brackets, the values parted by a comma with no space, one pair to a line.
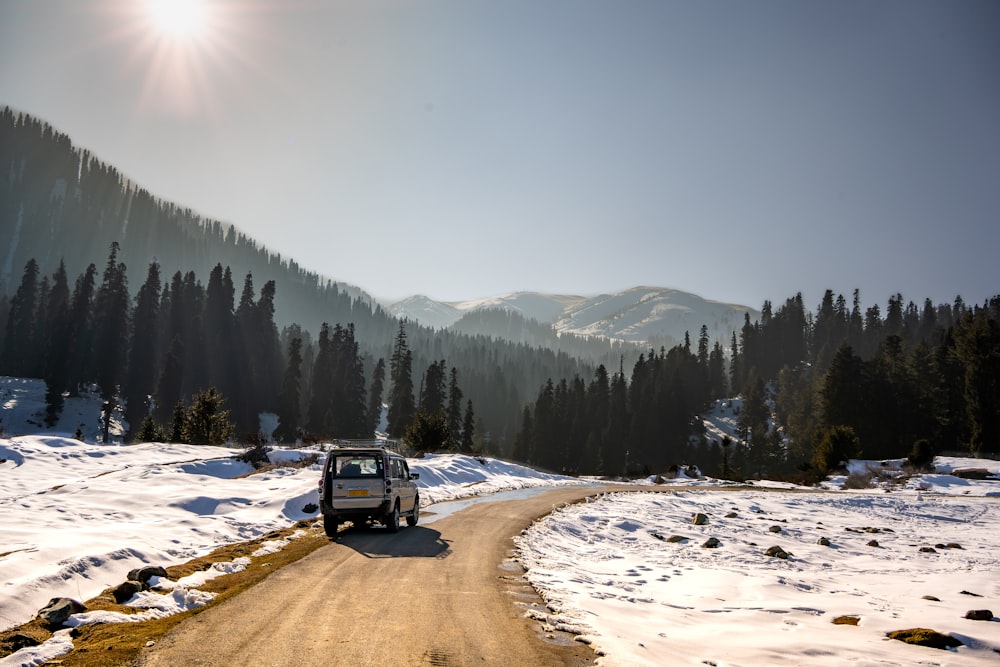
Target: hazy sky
[742,150]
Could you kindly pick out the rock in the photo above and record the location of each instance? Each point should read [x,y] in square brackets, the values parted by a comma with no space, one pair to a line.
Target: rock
[979,615]
[123,592]
[924,637]
[777,552]
[953,545]
[677,538]
[873,543]
[975,595]
[732,515]
[931,598]
[311,508]
[144,574]
[928,550]
[774,529]
[711,543]
[846,620]
[699,519]
[59,609]
[823,542]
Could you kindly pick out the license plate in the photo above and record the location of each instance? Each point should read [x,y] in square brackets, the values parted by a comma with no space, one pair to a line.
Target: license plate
[357,492]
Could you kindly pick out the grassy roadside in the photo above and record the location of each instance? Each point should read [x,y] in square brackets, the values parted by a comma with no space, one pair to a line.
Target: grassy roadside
[119,644]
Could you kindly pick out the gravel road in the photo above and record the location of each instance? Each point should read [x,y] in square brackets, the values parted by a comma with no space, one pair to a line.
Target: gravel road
[444,594]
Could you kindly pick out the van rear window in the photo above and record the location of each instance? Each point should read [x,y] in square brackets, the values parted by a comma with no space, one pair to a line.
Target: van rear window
[357,465]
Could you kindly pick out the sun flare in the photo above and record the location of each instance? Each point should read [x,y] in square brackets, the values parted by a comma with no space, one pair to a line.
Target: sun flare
[179,19]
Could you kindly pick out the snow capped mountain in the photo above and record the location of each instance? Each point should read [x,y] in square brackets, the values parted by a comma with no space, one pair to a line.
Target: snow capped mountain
[426,311]
[544,308]
[653,314]
[641,314]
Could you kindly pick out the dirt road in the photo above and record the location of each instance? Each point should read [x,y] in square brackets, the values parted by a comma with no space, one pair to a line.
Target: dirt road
[442,594]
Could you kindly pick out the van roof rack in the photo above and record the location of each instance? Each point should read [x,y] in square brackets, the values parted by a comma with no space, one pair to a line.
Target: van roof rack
[384,443]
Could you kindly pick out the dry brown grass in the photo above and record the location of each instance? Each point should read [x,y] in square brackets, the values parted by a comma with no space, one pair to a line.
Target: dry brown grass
[119,644]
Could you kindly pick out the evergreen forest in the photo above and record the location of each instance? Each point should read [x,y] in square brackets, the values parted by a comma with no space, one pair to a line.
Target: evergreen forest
[207,331]
[817,387]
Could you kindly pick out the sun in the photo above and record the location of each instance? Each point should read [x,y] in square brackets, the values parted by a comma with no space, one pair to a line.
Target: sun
[178,19]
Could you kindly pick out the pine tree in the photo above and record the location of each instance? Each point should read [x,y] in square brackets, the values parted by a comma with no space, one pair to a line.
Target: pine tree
[453,413]
[352,414]
[112,324]
[977,345]
[320,417]
[18,352]
[81,332]
[401,406]
[143,370]
[427,433]
[57,345]
[178,424]
[432,391]
[468,429]
[206,422]
[289,399]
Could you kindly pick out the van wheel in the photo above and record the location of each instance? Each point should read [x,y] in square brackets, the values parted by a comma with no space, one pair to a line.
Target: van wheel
[411,520]
[330,524]
[392,519]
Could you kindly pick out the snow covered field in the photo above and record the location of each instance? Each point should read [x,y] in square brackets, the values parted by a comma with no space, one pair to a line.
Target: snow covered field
[77,516]
[612,574]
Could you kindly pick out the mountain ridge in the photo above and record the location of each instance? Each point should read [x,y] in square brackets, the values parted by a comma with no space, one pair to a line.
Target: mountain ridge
[637,314]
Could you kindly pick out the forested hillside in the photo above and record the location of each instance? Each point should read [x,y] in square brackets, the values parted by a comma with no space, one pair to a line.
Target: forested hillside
[172,279]
[59,203]
[191,329]
[817,388]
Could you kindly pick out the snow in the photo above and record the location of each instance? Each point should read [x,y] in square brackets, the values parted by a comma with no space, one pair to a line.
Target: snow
[78,515]
[608,571]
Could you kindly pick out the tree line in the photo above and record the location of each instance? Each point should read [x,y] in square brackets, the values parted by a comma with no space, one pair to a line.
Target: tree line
[816,388]
[182,355]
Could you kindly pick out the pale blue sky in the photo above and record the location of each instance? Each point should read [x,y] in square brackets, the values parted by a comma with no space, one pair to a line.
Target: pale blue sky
[740,150]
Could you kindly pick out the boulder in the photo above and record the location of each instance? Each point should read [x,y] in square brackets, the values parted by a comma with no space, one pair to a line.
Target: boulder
[124,592]
[699,519]
[774,529]
[979,615]
[823,542]
[144,574]
[59,609]
[711,543]
[777,552]
[924,637]
[846,620]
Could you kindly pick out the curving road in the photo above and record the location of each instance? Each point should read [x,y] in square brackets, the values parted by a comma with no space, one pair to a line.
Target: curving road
[443,594]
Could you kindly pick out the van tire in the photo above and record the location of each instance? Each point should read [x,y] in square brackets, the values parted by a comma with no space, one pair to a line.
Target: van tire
[412,519]
[330,524]
[392,518]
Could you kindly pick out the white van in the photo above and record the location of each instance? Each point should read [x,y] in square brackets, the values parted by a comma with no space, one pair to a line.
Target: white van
[367,484]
